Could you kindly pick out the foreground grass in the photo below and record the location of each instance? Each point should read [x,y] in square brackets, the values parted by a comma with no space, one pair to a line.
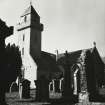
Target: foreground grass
[13,99]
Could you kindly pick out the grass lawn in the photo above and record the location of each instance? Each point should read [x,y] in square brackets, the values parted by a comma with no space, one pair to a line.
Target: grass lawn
[13,99]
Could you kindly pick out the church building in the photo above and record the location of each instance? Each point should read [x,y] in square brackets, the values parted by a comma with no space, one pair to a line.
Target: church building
[37,63]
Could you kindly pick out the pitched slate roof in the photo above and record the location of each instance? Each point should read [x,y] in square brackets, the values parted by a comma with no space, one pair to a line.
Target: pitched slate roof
[74,56]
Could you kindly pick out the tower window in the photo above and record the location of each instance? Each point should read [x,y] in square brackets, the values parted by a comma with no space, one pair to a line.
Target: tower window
[23,37]
[25,19]
[22,51]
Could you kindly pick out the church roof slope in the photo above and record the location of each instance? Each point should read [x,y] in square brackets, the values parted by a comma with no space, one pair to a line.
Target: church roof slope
[74,56]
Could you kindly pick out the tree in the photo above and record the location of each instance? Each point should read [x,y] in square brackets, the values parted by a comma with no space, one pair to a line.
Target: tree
[10,61]
[13,63]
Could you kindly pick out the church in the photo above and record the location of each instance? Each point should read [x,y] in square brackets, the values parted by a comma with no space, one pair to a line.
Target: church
[37,63]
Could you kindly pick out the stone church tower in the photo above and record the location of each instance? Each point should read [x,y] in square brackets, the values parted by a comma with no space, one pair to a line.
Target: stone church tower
[29,40]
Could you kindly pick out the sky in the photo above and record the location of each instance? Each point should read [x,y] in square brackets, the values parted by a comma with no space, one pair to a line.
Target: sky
[68,24]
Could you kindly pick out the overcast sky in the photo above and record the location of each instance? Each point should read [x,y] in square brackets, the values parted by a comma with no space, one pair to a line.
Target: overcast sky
[68,24]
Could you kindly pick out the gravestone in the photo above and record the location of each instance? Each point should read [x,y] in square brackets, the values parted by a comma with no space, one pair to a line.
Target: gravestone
[51,86]
[57,85]
[42,89]
[25,88]
[61,84]
[20,90]
[13,87]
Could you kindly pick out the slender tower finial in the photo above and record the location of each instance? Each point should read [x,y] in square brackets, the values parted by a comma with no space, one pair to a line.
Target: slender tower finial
[56,54]
[94,43]
[30,2]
